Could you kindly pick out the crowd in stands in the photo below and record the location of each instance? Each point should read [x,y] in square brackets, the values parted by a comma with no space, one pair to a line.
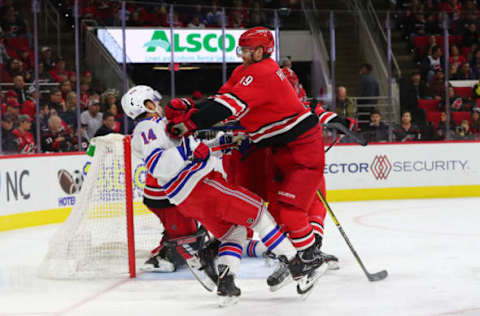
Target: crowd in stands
[423,94]
[57,114]
[200,14]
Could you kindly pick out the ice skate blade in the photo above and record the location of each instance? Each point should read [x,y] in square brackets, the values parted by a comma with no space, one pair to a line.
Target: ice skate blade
[225,301]
[284,283]
[306,284]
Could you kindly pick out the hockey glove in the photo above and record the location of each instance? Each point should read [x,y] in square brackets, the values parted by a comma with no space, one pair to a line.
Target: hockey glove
[201,153]
[182,125]
[351,123]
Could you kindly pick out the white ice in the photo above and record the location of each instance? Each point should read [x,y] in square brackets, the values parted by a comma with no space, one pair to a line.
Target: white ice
[431,249]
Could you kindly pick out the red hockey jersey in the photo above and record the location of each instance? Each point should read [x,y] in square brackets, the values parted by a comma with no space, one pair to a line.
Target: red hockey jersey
[264,102]
[25,142]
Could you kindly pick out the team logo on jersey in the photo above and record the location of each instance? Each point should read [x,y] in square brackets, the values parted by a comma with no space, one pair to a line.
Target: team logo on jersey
[381,167]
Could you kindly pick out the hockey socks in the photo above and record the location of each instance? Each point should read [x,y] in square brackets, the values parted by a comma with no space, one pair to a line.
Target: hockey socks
[272,237]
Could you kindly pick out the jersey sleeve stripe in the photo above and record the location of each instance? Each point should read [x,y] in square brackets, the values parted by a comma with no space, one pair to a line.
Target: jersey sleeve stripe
[153,162]
[326,117]
[152,154]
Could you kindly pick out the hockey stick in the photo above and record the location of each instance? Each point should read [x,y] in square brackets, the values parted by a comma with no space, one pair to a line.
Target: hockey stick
[371,276]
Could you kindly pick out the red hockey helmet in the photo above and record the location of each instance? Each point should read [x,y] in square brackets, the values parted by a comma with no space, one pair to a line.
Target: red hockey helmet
[177,107]
[257,37]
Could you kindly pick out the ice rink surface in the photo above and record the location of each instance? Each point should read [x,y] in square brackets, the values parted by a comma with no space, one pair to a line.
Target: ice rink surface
[431,249]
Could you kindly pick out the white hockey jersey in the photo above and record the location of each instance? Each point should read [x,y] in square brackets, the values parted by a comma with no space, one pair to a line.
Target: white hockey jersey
[169,160]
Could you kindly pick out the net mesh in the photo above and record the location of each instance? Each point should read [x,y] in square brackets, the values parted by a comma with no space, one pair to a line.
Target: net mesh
[92,242]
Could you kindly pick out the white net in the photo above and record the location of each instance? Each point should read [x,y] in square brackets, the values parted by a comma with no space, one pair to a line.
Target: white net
[92,243]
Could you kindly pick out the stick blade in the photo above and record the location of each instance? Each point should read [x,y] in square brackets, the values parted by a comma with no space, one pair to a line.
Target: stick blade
[377,276]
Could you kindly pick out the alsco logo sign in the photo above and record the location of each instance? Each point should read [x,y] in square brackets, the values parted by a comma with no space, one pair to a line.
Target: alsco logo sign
[154,45]
[190,42]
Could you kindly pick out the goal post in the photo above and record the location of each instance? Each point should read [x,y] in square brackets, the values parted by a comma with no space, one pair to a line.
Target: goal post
[109,231]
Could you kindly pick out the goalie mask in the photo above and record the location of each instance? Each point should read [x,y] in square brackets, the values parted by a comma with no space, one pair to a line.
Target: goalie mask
[134,101]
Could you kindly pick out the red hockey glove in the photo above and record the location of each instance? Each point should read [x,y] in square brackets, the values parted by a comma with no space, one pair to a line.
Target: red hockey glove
[201,153]
[351,123]
[182,125]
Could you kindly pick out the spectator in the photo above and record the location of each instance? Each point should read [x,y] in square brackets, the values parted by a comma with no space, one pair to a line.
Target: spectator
[214,15]
[437,86]
[367,86]
[43,75]
[69,116]
[455,57]
[196,23]
[475,127]
[25,57]
[108,125]
[56,100]
[376,131]
[135,19]
[28,107]
[470,36]
[463,131]
[65,88]
[432,63]
[87,77]
[257,16]
[464,73]
[457,103]
[19,88]
[108,98]
[56,138]
[46,58]
[12,24]
[44,115]
[13,109]
[475,64]
[113,109]
[407,130]
[431,43]
[4,57]
[442,130]
[13,68]
[23,137]
[59,73]
[344,104]
[410,92]
[8,139]
[91,119]
[84,94]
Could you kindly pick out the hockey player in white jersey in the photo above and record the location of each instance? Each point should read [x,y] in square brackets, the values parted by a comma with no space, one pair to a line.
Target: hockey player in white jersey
[187,173]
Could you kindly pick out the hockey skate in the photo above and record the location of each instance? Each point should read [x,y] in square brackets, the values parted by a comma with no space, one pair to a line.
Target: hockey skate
[204,263]
[331,261]
[227,291]
[159,262]
[306,268]
[280,276]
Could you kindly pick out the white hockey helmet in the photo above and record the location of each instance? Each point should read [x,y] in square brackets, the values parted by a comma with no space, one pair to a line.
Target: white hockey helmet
[133,102]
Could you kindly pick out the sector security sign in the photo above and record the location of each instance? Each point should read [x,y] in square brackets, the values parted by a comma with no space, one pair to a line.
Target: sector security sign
[155,45]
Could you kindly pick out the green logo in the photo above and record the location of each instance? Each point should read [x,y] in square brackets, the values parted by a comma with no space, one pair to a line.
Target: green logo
[192,42]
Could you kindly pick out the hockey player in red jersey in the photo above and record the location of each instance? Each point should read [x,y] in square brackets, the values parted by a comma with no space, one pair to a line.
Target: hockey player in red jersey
[186,171]
[261,98]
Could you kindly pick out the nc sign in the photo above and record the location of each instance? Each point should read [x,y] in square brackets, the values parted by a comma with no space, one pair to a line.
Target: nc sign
[148,45]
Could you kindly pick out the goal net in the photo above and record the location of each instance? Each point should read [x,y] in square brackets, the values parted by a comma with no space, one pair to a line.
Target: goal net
[109,231]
